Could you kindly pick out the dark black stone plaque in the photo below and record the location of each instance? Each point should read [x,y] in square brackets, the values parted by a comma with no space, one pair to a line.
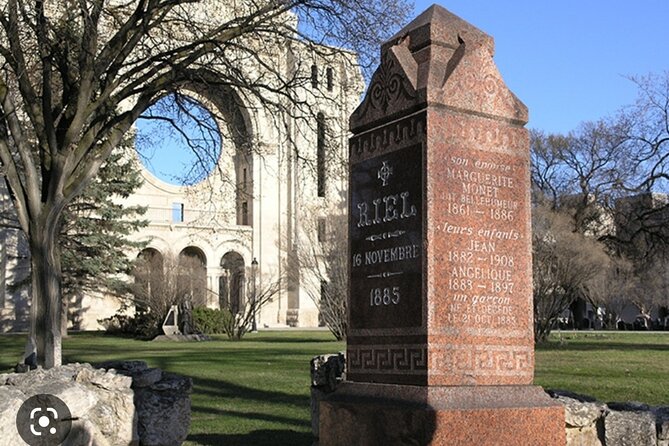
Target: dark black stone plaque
[386,233]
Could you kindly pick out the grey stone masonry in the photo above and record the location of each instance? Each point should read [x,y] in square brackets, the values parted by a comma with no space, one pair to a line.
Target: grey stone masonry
[593,423]
[162,401]
[118,404]
[101,402]
[327,371]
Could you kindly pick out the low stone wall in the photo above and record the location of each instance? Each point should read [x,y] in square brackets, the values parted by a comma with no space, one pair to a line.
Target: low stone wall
[121,403]
[327,371]
[592,423]
[162,402]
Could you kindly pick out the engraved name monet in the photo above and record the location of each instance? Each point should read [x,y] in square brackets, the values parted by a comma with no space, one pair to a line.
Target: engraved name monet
[482,265]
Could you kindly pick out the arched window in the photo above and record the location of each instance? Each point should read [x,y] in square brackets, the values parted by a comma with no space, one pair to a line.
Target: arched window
[231,285]
[329,78]
[149,275]
[320,154]
[314,76]
[192,278]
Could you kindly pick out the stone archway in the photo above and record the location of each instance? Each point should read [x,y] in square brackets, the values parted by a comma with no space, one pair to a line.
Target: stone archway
[231,284]
[149,275]
[222,117]
[192,275]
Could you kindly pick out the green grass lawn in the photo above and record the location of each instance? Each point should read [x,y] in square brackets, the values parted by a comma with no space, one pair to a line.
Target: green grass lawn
[632,366]
[256,392]
[253,392]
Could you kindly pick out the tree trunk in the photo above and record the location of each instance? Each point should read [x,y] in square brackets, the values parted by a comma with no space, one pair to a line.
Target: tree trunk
[46,293]
[64,308]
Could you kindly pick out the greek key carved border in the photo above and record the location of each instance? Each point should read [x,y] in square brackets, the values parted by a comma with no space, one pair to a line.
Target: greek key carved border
[387,359]
[482,360]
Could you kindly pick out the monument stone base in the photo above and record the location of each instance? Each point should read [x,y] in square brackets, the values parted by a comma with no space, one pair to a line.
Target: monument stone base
[388,414]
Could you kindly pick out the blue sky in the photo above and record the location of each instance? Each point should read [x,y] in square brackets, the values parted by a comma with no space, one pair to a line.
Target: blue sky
[567,60]
[166,153]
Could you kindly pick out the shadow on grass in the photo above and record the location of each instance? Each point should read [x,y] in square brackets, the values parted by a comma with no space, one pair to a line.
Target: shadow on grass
[253,416]
[255,438]
[228,390]
[248,392]
[278,408]
[195,355]
[600,346]
[293,340]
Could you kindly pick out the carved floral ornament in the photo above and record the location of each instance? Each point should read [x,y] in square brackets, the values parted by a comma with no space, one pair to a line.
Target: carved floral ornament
[389,84]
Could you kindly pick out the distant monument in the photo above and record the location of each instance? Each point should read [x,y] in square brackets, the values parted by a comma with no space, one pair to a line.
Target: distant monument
[170,324]
[186,315]
[440,345]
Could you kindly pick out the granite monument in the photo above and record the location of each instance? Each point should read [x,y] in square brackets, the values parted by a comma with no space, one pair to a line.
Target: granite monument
[440,347]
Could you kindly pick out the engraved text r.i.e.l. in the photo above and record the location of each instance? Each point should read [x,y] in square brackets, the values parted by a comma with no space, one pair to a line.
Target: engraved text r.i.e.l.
[385,209]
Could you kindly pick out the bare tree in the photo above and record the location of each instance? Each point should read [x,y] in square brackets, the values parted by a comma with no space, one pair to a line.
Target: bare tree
[647,137]
[566,266]
[162,281]
[602,162]
[75,75]
[650,290]
[610,178]
[583,172]
[321,267]
[238,323]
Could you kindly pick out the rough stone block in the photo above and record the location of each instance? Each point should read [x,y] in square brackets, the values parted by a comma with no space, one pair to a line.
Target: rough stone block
[84,432]
[101,402]
[580,411]
[163,411]
[317,396]
[662,423]
[107,411]
[146,378]
[630,429]
[10,402]
[327,371]
[103,379]
[583,436]
[128,368]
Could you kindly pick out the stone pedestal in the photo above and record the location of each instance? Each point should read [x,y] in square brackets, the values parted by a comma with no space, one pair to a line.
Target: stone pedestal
[390,414]
[440,348]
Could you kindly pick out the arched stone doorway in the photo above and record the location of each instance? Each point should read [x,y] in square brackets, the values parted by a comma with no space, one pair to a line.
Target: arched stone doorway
[149,275]
[231,284]
[192,276]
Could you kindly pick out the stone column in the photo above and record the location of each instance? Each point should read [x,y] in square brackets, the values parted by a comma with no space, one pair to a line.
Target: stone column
[440,347]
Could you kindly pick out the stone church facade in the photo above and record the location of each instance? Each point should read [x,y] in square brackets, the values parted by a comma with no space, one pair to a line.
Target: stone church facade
[278,179]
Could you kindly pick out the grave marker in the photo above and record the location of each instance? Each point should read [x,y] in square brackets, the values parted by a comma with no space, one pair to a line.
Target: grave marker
[440,347]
